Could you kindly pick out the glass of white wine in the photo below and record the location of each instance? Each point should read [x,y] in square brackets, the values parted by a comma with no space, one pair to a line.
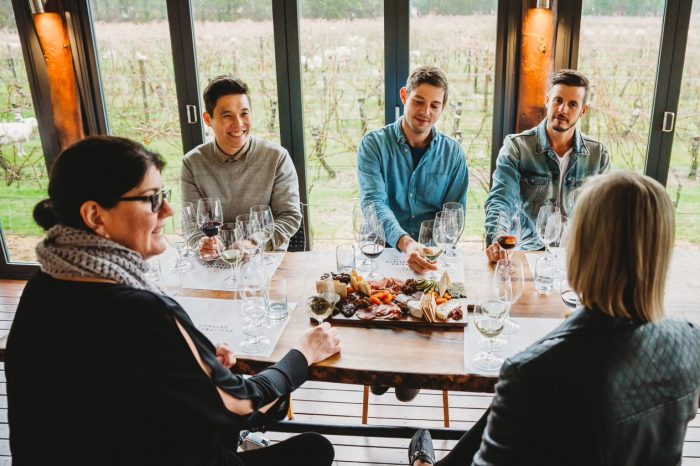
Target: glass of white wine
[231,251]
[320,305]
[489,320]
[429,249]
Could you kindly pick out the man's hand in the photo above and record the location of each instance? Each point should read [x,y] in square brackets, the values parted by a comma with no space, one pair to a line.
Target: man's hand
[495,253]
[416,261]
[208,248]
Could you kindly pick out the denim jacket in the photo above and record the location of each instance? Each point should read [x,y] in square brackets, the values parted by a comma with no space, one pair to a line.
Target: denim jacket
[527,177]
[404,197]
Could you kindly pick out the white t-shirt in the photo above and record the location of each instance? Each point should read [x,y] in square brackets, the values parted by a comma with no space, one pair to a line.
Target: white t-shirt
[563,165]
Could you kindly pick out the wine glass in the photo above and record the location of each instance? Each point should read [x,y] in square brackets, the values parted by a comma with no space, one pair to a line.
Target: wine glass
[252,236]
[210,216]
[360,216]
[372,245]
[188,222]
[429,248]
[449,231]
[320,305]
[489,320]
[509,286]
[254,304]
[455,209]
[177,238]
[231,251]
[546,226]
[263,215]
[508,231]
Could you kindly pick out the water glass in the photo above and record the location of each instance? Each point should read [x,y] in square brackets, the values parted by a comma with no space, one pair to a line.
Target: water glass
[345,258]
[277,300]
[544,273]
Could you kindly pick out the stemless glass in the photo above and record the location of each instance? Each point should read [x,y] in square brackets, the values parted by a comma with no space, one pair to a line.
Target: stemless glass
[489,320]
[456,210]
[509,286]
[508,231]
[429,248]
[263,215]
[231,251]
[372,245]
[210,217]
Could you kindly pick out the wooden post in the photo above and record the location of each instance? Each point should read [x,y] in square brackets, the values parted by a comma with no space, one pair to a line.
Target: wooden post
[365,404]
[536,66]
[55,44]
[445,408]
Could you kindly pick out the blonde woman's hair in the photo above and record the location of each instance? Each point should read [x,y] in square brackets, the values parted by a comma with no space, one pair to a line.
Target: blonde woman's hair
[621,244]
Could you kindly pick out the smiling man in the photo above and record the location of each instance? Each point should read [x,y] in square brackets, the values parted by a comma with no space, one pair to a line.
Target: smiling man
[240,169]
[408,169]
[545,164]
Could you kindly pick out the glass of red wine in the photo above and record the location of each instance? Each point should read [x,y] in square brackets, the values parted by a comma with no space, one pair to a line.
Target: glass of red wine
[372,245]
[508,231]
[210,217]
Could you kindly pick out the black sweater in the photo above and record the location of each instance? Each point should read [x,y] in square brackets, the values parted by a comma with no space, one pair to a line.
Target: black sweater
[110,360]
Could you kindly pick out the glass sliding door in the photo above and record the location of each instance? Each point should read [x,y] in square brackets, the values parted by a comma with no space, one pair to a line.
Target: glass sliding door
[683,183]
[23,173]
[619,51]
[136,65]
[239,40]
[464,47]
[342,61]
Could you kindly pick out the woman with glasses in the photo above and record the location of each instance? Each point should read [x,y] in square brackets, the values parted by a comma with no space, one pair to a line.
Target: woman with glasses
[102,367]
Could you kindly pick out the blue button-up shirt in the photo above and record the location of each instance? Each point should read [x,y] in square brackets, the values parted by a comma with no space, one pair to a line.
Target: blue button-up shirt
[404,197]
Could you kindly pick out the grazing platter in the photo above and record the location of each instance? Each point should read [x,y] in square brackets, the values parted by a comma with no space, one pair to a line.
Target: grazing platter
[392,301]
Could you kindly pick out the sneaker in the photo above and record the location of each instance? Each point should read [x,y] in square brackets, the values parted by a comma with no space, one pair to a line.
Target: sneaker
[406,394]
[253,441]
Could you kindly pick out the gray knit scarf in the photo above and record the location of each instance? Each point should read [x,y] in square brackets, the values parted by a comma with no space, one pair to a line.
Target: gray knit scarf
[70,252]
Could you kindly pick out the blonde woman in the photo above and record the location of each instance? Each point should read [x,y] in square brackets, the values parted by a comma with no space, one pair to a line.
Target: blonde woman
[616,383]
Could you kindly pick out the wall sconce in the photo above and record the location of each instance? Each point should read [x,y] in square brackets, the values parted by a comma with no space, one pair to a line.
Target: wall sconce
[52,33]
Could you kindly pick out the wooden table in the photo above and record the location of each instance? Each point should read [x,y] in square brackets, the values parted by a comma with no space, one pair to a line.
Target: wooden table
[426,358]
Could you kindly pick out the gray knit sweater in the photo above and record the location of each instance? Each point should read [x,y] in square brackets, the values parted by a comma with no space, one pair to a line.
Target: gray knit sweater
[261,173]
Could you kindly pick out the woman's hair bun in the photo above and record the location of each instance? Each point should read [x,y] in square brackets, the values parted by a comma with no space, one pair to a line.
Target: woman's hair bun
[45,214]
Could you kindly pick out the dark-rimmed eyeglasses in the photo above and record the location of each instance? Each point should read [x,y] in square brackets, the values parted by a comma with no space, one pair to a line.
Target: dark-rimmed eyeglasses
[156,199]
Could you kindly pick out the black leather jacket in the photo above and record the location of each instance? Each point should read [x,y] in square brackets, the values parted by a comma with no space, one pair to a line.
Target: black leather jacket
[597,391]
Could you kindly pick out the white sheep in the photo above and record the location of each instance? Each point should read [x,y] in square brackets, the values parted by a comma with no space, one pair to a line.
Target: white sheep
[17,132]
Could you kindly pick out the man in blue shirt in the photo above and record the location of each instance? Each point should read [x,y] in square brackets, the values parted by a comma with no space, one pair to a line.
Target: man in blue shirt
[408,169]
[544,165]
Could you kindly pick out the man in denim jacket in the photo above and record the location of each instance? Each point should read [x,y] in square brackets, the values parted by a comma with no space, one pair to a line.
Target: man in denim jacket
[545,164]
[408,169]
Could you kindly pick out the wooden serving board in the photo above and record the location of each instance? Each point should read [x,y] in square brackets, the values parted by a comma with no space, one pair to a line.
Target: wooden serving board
[406,322]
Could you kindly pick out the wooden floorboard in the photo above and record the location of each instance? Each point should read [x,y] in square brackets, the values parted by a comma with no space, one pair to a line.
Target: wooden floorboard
[341,404]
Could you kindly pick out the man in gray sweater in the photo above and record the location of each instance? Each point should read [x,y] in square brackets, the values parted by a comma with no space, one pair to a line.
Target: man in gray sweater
[241,170]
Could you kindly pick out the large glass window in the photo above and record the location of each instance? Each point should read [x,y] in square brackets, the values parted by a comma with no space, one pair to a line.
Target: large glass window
[619,51]
[464,47]
[683,183]
[136,64]
[23,174]
[239,40]
[342,48]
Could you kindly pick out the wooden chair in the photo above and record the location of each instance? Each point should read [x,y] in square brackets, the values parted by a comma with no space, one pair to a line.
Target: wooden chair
[445,406]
